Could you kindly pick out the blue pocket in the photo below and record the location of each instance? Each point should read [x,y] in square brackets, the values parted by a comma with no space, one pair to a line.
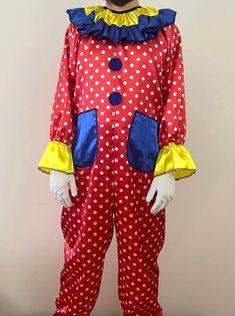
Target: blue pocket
[85,146]
[142,145]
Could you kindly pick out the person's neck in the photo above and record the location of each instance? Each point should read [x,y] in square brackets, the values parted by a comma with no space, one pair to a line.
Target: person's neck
[127,6]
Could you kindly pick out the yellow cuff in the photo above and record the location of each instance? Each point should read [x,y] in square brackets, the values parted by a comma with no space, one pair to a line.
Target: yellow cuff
[57,156]
[175,157]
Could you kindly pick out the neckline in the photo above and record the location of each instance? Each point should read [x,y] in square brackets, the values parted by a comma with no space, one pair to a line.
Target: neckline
[124,11]
[130,18]
[138,25]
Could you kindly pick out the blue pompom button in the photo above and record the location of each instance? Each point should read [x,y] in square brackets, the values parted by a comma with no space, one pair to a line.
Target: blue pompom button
[115,98]
[115,63]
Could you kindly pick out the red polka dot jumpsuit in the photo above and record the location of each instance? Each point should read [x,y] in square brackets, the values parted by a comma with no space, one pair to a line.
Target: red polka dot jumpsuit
[118,120]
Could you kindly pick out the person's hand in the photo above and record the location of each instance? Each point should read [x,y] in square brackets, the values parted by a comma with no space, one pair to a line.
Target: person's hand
[164,184]
[60,183]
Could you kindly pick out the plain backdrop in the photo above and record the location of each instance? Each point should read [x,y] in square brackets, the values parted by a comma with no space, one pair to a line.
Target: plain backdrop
[197,263]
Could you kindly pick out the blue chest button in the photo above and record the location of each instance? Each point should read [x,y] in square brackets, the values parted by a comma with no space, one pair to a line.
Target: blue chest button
[115,98]
[115,63]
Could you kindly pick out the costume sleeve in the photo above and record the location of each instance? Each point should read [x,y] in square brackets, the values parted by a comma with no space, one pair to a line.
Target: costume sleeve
[58,155]
[172,130]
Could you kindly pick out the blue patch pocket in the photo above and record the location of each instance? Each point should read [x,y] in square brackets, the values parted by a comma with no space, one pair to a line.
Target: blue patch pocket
[142,145]
[85,145]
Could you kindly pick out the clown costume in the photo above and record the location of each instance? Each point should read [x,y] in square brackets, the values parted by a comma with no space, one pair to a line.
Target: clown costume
[118,120]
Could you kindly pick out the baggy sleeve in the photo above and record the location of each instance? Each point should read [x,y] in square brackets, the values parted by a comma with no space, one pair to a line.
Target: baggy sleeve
[58,155]
[172,130]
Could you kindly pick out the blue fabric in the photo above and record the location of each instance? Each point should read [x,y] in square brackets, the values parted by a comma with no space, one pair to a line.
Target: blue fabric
[142,146]
[115,98]
[85,146]
[147,28]
[115,63]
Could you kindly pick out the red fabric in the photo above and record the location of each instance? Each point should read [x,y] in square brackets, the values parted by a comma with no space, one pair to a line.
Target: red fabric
[154,74]
[110,192]
[107,200]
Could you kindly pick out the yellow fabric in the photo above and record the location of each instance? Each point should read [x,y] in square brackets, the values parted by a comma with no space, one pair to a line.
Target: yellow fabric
[175,157]
[57,156]
[127,19]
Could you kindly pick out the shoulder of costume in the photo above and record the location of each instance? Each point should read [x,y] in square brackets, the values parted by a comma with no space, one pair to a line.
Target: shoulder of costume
[137,25]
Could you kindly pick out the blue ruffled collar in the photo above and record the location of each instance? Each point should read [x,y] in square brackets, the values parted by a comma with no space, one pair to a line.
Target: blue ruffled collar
[137,25]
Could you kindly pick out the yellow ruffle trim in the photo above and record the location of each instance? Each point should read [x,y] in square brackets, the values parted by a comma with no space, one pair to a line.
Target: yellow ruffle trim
[175,157]
[57,156]
[127,18]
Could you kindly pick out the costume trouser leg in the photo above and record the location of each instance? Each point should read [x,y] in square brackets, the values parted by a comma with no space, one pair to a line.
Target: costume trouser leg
[87,229]
[104,197]
[140,238]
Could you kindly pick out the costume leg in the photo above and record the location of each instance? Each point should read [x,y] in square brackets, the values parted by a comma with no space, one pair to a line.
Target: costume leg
[87,229]
[140,238]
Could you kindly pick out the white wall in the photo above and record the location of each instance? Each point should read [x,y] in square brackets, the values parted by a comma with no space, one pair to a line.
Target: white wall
[197,263]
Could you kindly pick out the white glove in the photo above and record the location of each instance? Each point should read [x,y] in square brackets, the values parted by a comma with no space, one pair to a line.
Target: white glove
[164,184]
[60,183]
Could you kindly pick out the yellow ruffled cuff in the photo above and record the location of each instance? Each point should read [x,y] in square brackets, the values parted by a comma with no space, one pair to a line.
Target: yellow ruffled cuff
[57,156]
[175,157]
